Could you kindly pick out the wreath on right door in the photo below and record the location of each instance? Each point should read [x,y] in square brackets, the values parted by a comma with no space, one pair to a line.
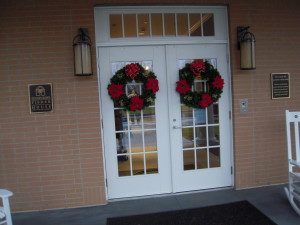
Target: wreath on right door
[204,71]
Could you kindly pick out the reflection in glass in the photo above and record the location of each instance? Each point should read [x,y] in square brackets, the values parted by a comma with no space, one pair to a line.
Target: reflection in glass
[200,127]
[201,130]
[182,62]
[156,24]
[187,138]
[150,141]
[200,116]
[121,125]
[208,24]
[124,165]
[133,141]
[122,142]
[182,24]
[143,20]
[133,88]
[115,22]
[151,163]
[149,118]
[119,120]
[115,66]
[202,158]
[189,160]
[214,157]
[186,115]
[213,113]
[138,164]
[212,61]
[136,141]
[135,118]
[195,25]
[201,136]
[200,85]
[170,24]
[214,135]
[147,65]
[130,25]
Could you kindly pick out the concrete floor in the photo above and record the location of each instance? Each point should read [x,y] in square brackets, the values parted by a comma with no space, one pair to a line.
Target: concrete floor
[271,200]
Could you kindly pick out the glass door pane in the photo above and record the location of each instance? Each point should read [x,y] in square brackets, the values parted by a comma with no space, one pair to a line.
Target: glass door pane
[200,131]
[135,133]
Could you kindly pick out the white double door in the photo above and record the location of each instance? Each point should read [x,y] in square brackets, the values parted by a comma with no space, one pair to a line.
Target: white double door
[167,147]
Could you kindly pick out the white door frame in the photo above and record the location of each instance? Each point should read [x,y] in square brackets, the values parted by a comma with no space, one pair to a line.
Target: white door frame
[221,37]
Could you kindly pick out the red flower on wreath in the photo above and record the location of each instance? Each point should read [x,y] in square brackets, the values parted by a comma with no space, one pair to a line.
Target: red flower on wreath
[218,82]
[197,67]
[206,100]
[136,103]
[132,70]
[182,87]
[116,90]
[152,84]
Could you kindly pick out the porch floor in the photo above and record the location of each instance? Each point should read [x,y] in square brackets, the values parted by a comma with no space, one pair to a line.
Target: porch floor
[271,200]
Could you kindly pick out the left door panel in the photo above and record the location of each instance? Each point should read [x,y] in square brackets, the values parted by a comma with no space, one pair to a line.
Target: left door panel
[136,144]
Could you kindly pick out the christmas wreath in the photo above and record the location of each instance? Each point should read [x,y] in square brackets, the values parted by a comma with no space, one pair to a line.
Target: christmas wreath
[199,70]
[133,73]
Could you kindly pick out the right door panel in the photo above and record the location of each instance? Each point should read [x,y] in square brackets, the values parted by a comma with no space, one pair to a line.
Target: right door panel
[200,138]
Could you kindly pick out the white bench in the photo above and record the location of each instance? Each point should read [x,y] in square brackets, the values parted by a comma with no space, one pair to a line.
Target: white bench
[293,145]
[5,215]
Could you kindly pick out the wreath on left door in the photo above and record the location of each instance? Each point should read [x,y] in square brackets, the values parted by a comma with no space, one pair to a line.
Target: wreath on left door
[133,74]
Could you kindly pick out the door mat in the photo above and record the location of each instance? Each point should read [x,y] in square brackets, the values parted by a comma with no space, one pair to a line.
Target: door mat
[236,213]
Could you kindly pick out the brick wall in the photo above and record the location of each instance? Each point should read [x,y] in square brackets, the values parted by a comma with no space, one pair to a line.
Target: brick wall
[260,141]
[54,160]
[51,160]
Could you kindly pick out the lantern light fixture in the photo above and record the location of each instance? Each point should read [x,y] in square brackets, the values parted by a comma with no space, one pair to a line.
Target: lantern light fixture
[246,45]
[82,53]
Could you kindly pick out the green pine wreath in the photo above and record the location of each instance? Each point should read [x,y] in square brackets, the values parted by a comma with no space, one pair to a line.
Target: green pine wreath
[129,73]
[201,70]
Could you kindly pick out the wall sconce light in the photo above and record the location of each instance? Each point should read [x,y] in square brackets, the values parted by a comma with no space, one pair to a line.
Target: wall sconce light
[82,53]
[246,45]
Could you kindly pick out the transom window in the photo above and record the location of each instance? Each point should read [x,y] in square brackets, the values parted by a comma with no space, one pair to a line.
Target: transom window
[161,25]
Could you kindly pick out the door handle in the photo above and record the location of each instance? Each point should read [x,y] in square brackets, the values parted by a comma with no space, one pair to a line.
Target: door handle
[176,127]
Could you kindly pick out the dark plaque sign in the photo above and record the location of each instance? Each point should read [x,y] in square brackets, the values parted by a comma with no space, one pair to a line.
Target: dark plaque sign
[280,83]
[40,98]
